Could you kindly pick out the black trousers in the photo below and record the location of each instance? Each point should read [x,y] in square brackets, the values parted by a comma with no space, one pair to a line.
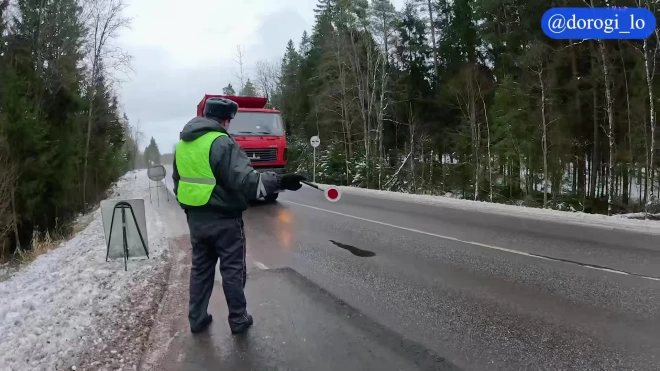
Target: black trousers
[215,236]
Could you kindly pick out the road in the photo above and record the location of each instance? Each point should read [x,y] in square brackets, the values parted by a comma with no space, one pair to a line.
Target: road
[371,283]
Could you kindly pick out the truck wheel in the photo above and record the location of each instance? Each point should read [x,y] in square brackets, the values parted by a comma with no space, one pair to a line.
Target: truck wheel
[271,197]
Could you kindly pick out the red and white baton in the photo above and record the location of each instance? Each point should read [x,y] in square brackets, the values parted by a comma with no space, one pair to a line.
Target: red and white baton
[332,193]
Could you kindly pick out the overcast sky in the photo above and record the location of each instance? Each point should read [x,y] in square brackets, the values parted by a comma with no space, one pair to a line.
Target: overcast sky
[184,49]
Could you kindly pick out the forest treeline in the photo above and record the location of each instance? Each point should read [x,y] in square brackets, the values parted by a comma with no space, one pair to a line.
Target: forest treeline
[63,138]
[470,97]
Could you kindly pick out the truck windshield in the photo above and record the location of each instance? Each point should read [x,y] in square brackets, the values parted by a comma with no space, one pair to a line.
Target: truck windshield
[256,123]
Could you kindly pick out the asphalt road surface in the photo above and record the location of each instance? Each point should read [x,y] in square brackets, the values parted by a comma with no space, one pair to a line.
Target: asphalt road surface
[375,284]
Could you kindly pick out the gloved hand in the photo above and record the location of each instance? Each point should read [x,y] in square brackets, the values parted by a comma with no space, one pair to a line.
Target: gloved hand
[291,182]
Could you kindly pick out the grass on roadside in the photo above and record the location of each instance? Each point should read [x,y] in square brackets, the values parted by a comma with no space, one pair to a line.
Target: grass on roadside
[42,242]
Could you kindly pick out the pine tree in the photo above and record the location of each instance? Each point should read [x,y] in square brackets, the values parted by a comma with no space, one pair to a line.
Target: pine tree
[228,90]
[152,153]
[289,85]
[324,7]
[45,98]
[383,21]
[305,44]
[249,90]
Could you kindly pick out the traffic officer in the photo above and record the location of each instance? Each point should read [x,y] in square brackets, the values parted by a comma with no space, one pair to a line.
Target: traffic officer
[213,182]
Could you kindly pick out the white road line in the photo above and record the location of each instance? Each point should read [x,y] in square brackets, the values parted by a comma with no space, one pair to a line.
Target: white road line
[472,242]
[260,265]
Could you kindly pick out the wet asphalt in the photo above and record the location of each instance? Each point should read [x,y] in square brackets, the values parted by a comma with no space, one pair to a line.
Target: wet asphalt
[373,284]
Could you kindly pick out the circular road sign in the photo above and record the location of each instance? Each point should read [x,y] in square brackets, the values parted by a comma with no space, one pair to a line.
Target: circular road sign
[315,141]
[332,194]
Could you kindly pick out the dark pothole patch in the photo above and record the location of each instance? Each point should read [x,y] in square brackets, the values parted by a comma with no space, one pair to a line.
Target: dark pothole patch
[354,250]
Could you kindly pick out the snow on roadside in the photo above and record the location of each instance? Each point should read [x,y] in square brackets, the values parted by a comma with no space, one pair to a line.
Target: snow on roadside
[640,216]
[593,220]
[54,308]
[169,182]
[5,269]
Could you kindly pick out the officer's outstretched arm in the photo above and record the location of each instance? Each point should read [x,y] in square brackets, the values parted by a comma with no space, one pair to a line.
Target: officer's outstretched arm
[236,172]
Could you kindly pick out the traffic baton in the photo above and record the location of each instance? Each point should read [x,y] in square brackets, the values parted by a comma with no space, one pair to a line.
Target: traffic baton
[311,185]
[332,193]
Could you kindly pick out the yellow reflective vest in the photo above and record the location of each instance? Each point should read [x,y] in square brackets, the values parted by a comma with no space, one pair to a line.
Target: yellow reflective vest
[196,181]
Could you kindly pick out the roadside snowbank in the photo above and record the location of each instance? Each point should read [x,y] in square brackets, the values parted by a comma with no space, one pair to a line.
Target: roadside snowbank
[593,220]
[169,182]
[640,216]
[54,308]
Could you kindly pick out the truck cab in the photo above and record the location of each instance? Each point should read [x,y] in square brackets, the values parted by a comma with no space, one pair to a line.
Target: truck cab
[259,131]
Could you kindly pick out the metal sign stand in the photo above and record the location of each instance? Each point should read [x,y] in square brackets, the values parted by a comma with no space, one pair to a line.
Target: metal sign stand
[123,206]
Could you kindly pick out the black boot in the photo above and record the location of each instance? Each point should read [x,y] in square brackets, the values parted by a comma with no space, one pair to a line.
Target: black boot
[238,328]
[203,326]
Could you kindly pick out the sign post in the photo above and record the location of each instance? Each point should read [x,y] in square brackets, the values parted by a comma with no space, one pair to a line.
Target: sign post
[314,141]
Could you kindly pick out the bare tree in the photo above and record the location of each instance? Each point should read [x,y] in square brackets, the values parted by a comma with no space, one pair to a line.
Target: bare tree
[137,138]
[429,8]
[380,115]
[382,19]
[104,21]
[650,57]
[411,126]
[344,98]
[544,136]
[383,15]
[627,187]
[364,74]
[268,76]
[490,157]
[239,60]
[463,87]
[650,74]
[610,121]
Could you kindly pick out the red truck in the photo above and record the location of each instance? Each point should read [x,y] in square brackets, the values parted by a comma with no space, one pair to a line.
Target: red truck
[259,131]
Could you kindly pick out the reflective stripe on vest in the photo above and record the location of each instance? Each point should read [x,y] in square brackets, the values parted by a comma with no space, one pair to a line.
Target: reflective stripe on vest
[196,179]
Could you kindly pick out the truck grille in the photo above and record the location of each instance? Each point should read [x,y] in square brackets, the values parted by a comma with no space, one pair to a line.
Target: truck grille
[262,155]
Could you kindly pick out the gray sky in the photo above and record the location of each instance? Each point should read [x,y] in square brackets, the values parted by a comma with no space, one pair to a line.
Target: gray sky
[184,49]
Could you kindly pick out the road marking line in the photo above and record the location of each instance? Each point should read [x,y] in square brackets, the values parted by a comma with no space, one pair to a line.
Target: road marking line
[260,265]
[605,269]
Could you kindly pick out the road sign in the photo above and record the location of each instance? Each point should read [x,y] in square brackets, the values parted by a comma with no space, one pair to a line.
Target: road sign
[332,194]
[157,173]
[314,141]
